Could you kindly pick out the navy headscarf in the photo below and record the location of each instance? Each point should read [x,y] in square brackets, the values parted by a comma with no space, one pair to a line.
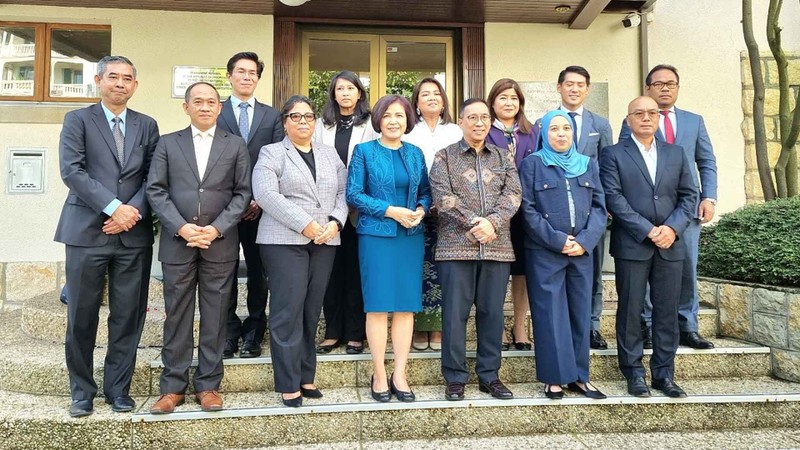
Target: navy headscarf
[573,163]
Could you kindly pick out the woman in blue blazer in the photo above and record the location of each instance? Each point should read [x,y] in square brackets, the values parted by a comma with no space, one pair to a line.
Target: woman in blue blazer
[388,184]
[564,216]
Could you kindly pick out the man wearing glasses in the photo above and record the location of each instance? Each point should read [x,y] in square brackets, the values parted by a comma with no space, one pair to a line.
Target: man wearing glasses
[651,197]
[676,126]
[259,125]
[476,188]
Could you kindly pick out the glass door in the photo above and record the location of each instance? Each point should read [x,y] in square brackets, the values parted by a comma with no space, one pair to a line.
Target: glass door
[385,63]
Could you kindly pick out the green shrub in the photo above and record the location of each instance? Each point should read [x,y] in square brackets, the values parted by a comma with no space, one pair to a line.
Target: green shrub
[757,243]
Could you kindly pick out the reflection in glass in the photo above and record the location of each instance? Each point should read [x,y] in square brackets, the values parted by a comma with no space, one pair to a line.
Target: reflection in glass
[409,62]
[73,61]
[17,61]
[327,57]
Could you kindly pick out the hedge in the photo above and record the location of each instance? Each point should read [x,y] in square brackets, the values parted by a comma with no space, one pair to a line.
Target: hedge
[758,243]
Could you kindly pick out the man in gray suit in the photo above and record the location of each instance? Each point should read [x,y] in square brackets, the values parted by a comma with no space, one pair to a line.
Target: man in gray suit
[651,197]
[199,185]
[591,133]
[687,130]
[104,152]
[259,125]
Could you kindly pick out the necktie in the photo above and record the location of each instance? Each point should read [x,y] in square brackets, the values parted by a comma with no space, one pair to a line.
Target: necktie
[572,115]
[119,140]
[669,132]
[244,121]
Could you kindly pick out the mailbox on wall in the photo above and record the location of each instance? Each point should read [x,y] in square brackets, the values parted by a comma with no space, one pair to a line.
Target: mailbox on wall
[26,167]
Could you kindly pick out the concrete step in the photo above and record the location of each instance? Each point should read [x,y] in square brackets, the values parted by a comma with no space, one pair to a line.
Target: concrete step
[35,366]
[349,415]
[44,317]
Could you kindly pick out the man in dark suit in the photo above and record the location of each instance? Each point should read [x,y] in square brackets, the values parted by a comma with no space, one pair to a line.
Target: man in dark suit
[689,131]
[259,125]
[199,185]
[591,133]
[651,197]
[105,152]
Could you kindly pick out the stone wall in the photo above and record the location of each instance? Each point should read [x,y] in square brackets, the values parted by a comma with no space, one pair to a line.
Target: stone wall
[765,315]
[22,280]
[769,68]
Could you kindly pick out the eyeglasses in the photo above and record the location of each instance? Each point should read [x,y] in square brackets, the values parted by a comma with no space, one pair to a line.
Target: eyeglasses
[296,117]
[671,85]
[652,114]
[474,119]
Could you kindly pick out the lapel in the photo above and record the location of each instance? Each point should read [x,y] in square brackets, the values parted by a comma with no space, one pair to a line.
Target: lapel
[186,145]
[297,160]
[586,129]
[661,162]
[633,152]
[229,117]
[258,115]
[357,137]
[99,119]
[680,118]
[218,146]
[131,134]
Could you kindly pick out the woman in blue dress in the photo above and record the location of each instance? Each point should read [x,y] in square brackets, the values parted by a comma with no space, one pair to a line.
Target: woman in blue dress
[388,185]
[564,216]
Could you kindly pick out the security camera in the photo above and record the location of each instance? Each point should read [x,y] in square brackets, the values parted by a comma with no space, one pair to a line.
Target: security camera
[632,20]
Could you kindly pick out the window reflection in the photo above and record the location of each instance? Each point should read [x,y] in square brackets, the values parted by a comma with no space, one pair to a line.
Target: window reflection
[17,61]
[73,61]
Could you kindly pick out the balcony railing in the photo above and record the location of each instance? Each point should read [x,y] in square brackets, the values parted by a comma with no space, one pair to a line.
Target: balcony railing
[17,50]
[70,90]
[16,87]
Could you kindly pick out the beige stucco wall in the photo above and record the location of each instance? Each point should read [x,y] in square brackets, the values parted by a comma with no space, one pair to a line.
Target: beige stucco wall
[155,41]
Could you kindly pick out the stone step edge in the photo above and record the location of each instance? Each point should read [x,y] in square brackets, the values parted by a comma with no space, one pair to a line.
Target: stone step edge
[467,403]
[157,364]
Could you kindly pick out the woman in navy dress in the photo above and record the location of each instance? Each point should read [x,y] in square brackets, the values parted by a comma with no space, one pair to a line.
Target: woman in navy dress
[388,184]
[564,216]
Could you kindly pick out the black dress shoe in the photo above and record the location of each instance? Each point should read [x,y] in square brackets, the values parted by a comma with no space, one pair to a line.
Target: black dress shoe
[551,394]
[505,346]
[497,389]
[123,403]
[638,387]
[81,408]
[354,349]
[382,397]
[647,336]
[694,340]
[668,387]
[250,349]
[293,402]
[454,391]
[310,393]
[63,296]
[403,396]
[596,341]
[522,345]
[231,347]
[589,393]
[323,349]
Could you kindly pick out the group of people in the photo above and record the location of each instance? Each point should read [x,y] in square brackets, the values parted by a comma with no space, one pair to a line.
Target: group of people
[431,213]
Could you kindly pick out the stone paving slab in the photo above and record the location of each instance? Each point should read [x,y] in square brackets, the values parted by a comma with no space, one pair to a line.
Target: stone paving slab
[44,317]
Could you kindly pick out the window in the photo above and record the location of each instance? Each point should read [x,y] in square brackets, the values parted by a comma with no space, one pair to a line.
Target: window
[51,62]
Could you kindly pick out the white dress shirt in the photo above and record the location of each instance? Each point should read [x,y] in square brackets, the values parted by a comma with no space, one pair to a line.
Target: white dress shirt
[238,111]
[650,156]
[431,141]
[202,147]
[578,119]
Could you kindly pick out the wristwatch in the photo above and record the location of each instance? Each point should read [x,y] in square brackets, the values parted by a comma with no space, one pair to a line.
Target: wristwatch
[713,201]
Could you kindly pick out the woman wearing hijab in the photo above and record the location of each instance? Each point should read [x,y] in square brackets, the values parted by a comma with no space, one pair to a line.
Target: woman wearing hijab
[564,216]
[511,129]
[345,123]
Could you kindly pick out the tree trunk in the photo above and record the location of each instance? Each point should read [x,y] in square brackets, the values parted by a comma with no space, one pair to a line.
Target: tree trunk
[786,167]
[760,131]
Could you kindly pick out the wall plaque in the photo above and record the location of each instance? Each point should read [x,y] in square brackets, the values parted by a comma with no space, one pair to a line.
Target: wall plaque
[185,76]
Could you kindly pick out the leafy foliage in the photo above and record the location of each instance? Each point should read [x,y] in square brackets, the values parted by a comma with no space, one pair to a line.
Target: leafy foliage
[757,243]
[397,82]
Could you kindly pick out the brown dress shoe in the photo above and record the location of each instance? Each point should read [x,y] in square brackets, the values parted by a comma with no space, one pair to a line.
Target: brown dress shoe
[209,400]
[167,403]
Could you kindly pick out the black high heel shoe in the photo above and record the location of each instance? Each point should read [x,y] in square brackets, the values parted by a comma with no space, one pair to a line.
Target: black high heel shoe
[403,396]
[553,395]
[293,402]
[590,393]
[324,349]
[310,393]
[382,397]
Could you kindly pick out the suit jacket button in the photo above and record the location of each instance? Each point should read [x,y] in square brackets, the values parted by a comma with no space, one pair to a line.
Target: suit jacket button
[546,215]
[545,186]
[319,206]
[201,190]
[586,184]
[119,181]
[655,197]
[194,218]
